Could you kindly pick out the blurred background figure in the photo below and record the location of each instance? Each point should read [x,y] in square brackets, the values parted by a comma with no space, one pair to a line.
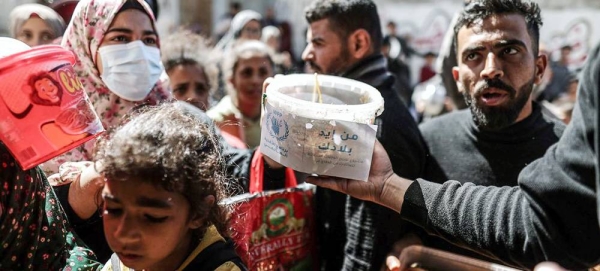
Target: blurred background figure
[430,99]
[271,36]
[191,75]
[245,69]
[565,56]
[428,69]
[390,48]
[64,8]
[557,77]
[246,25]
[35,24]
[403,50]
[269,18]
[225,22]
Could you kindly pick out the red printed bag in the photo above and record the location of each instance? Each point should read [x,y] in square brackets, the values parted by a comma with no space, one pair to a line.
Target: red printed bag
[274,230]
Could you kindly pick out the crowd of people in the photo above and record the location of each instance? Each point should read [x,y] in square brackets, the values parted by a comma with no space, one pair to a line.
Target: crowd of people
[518,136]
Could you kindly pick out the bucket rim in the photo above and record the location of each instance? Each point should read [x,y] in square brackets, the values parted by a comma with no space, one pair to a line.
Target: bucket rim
[376,104]
[43,52]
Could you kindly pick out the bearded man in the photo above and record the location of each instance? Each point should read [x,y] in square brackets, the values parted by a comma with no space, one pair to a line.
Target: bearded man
[503,130]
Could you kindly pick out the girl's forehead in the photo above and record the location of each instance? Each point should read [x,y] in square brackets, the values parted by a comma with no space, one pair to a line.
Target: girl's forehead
[142,194]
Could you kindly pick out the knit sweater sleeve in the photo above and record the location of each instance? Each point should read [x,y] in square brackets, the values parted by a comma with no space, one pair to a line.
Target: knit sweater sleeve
[551,215]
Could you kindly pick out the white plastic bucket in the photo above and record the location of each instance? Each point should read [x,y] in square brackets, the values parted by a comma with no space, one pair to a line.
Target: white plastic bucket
[343,99]
[334,138]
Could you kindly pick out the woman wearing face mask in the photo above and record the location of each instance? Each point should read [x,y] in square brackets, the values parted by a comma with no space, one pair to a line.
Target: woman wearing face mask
[118,62]
[238,113]
[35,24]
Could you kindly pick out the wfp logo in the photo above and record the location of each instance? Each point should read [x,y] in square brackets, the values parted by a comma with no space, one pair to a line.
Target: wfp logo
[278,127]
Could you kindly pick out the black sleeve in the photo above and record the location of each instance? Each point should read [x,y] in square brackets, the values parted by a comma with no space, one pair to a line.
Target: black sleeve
[551,215]
[238,162]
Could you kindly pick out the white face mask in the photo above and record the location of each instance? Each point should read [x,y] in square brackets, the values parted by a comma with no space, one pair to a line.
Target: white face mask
[130,70]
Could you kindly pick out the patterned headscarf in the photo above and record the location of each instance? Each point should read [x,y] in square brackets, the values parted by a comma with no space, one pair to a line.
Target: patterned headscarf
[19,15]
[83,36]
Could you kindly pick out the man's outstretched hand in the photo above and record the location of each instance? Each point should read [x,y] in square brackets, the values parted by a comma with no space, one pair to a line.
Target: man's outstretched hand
[383,186]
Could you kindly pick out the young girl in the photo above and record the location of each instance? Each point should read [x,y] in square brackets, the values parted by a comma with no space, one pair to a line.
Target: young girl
[163,182]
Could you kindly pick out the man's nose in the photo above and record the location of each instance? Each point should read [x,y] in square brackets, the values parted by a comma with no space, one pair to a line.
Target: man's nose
[307,54]
[493,67]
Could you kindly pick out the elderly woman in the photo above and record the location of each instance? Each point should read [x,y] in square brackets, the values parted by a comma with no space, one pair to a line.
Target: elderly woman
[244,26]
[35,24]
[246,67]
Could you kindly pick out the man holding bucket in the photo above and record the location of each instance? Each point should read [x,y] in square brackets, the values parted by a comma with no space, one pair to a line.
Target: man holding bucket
[344,39]
[551,215]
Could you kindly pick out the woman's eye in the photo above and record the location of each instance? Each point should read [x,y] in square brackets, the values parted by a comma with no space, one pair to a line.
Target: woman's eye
[247,72]
[120,39]
[47,37]
[201,88]
[154,219]
[150,41]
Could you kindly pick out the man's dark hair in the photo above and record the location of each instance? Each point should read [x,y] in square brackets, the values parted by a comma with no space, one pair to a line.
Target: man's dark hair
[482,9]
[347,16]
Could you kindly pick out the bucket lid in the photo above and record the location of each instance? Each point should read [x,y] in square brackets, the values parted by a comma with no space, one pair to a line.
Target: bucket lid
[294,80]
[35,55]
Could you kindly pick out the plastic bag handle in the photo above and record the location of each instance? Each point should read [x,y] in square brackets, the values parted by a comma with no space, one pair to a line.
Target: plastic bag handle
[257,170]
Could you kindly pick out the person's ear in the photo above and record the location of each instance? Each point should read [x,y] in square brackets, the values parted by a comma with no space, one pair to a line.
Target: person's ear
[456,76]
[232,80]
[198,221]
[541,63]
[359,44]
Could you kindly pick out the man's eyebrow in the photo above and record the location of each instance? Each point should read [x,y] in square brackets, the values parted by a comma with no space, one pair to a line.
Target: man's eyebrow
[317,39]
[153,203]
[504,43]
[473,48]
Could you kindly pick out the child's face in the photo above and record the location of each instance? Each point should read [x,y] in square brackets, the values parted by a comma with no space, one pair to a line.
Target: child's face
[147,226]
[47,90]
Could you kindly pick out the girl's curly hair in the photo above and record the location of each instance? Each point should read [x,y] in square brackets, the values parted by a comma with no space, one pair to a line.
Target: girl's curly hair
[173,147]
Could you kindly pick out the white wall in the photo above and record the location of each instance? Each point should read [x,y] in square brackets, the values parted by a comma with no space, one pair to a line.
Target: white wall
[169,17]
